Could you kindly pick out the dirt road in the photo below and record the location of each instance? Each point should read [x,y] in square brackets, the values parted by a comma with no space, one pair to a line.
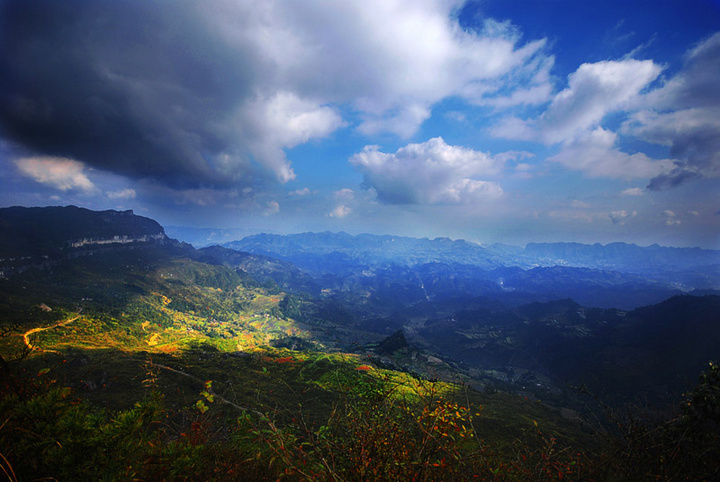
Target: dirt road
[26,335]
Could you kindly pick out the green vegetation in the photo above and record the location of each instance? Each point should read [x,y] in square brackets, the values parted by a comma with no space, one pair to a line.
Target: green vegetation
[143,366]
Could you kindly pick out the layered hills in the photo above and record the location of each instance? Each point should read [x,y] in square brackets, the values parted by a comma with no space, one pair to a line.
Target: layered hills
[617,275]
[310,338]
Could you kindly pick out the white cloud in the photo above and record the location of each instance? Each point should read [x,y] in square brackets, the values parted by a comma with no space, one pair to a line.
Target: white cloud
[633,191]
[272,207]
[527,85]
[390,60]
[429,173]
[683,114]
[593,91]
[457,116]
[300,192]
[345,194]
[234,84]
[282,121]
[59,172]
[340,211]
[122,194]
[670,218]
[619,217]
[595,154]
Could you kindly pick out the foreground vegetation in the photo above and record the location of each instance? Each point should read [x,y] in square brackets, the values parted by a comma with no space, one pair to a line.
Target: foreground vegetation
[313,416]
[142,366]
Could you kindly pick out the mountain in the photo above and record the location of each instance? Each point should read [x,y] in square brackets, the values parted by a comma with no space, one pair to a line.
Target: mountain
[652,352]
[424,269]
[38,235]
[124,354]
[621,256]
[202,237]
[340,253]
[685,267]
[446,296]
[314,251]
[262,268]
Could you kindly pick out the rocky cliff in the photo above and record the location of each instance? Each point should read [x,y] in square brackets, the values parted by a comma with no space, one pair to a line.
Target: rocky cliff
[39,235]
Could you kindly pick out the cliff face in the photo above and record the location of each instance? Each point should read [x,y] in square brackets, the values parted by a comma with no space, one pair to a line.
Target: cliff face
[117,239]
[31,236]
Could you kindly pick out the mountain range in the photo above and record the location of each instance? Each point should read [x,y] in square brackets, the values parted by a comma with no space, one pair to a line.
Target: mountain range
[536,318]
[115,338]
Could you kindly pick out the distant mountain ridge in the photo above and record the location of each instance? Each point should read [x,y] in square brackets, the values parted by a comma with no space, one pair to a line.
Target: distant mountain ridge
[681,268]
[412,269]
[496,313]
[369,248]
[621,255]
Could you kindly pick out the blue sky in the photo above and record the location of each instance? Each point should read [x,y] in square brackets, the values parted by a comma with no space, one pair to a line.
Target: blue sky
[494,121]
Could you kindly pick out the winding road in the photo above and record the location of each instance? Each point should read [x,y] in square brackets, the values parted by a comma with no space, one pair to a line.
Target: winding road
[26,335]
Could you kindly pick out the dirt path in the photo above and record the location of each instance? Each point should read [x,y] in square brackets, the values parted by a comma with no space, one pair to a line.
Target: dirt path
[26,335]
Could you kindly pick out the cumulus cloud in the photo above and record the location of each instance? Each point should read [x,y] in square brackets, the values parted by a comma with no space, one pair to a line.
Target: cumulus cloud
[198,95]
[429,173]
[340,211]
[284,121]
[594,90]
[595,154]
[670,218]
[58,172]
[684,114]
[619,217]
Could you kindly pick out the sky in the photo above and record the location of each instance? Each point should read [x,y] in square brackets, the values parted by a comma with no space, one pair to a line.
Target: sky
[508,121]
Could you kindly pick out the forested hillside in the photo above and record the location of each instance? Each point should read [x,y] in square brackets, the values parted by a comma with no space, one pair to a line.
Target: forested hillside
[157,361]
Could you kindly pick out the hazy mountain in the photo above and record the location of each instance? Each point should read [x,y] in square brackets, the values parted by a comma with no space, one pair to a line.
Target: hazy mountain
[505,320]
[686,267]
[365,249]
[319,253]
[622,276]
[201,237]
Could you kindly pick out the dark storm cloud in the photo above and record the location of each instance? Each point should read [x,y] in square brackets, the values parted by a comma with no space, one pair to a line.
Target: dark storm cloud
[138,88]
[672,179]
[687,117]
[209,93]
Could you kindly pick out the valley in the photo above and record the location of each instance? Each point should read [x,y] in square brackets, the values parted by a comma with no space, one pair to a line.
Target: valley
[306,350]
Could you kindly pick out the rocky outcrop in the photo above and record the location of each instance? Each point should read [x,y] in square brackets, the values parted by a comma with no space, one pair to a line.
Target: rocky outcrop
[118,239]
[42,236]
